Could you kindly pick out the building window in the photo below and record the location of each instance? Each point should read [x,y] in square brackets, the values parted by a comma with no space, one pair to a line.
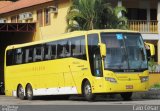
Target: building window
[47,18]
[14,19]
[153,14]
[40,17]
[136,14]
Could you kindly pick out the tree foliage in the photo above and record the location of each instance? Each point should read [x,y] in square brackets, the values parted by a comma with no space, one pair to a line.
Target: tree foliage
[94,14]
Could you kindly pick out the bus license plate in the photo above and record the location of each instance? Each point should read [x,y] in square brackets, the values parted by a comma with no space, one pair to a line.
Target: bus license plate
[129,86]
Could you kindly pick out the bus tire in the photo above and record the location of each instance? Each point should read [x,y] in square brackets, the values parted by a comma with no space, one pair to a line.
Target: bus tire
[87,92]
[29,92]
[20,92]
[126,96]
[2,91]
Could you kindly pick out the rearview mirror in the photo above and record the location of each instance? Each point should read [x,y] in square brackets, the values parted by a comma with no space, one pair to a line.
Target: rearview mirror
[150,49]
[102,49]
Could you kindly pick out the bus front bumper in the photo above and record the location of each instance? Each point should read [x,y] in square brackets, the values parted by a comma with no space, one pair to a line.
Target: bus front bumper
[127,86]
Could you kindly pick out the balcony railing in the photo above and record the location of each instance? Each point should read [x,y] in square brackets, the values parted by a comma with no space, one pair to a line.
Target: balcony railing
[17,27]
[143,26]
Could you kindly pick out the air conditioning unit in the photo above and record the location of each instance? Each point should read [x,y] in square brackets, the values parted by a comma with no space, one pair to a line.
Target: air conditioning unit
[21,16]
[28,15]
[2,20]
[53,9]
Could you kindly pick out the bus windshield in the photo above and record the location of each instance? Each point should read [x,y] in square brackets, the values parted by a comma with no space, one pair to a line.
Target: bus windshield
[125,52]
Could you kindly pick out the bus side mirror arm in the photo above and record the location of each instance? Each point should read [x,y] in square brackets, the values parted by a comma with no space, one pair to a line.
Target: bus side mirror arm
[102,49]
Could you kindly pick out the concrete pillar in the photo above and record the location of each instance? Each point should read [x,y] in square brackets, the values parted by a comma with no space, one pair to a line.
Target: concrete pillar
[148,15]
[158,15]
[158,19]
[147,6]
[119,5]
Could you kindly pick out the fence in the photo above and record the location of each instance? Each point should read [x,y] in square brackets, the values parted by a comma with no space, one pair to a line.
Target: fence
[143,26]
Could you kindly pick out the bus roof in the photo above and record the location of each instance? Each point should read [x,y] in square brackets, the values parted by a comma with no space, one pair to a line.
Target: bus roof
[70,34]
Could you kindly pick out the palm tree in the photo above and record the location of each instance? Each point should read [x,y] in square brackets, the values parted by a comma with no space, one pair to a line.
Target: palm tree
[93,14]
[86,14]
[118,20]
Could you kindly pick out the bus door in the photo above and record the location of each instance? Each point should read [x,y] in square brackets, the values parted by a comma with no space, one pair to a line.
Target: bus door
[95,61]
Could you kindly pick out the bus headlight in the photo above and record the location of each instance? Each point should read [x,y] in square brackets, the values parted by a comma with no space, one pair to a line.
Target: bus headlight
[144,78]
[110,79]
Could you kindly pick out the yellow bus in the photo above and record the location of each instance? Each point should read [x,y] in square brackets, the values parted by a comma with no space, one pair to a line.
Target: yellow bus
[82,62]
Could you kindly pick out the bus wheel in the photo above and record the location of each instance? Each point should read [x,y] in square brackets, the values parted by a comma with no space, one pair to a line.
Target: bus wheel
[126,96]
[87,91]
[29,92]
[20,92]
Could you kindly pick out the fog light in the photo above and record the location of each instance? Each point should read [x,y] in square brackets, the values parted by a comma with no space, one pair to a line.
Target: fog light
[112,80]
[144,78]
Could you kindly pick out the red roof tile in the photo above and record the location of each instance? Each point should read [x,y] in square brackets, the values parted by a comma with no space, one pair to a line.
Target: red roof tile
[4,3]
[19,5]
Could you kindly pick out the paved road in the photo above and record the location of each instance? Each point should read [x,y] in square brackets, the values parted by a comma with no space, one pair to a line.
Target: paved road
[77,104]
[75,101]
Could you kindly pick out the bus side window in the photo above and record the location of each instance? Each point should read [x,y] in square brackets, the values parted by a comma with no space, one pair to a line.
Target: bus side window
[29,55]
[47,52]
[78,48]
[9,57]
[60,52]
[54,50]
[73,46]
[18,56]
[83,49]
[64,48]
[38,53]
[67,49]
[50,51]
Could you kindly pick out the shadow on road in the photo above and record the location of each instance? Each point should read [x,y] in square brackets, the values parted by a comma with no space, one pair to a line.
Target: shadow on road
[99,98]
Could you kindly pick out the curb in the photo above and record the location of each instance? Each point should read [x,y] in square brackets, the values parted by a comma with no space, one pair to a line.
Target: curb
[151,94]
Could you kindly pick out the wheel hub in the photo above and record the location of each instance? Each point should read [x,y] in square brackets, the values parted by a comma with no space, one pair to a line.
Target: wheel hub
[29,93]
[87,90]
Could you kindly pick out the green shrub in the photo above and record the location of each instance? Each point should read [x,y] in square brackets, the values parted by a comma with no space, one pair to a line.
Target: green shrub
[157,85]
[152,65]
